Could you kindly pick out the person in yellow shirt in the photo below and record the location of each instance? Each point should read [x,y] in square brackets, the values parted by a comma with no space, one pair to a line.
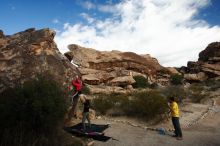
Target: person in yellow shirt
[174,109]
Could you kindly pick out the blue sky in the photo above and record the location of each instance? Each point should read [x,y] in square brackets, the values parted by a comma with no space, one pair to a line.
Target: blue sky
[17,15]
[211,13]
[173,31]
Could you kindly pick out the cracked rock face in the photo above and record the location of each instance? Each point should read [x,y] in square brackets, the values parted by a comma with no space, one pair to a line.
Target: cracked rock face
[29,53]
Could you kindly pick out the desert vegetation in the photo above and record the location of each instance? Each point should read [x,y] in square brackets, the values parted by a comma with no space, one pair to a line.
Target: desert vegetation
[145,105]
[176,79]
[140,82]
[150,103]
[32,114]
[176,91]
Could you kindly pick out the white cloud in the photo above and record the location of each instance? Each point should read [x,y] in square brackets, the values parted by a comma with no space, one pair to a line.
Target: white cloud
[88,5]
[55,21]
[106,8]
[166,29]
[88,18]
[109,2]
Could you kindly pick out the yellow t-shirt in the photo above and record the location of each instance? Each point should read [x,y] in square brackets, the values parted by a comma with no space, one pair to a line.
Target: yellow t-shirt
[174,109]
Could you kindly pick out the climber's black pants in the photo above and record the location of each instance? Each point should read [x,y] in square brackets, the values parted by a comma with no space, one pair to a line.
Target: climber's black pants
[176,125]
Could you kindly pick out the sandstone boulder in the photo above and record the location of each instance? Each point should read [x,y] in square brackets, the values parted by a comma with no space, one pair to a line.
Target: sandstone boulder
[106,67]
[91,79]
[172,70]
[208,63]
[122,81]
[27,54]
[196,77]
[106,89]
[194,67]
[211,68]
[212,51]
[96,77]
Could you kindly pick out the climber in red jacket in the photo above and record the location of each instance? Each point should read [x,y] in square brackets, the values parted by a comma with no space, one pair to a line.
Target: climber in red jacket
[78,86]
[77,83]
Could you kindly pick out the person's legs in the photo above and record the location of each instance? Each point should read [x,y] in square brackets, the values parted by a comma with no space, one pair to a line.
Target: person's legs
[75,99]
[83,121]
[179,131]
[87,117]
[175,126]
[74,96]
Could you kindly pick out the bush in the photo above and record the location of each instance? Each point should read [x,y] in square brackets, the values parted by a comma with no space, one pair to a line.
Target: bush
[105,102]
[140,82]
[197,93]
[101,104]
[176,79]
[31,112]
[145,105]
[174,91]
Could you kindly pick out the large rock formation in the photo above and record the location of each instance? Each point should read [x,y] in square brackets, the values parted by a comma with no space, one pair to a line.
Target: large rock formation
[207,66]
[29,53]
[115,68]
[211,53]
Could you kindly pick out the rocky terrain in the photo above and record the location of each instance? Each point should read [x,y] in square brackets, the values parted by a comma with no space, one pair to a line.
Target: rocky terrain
[115,70]
[207,66]
[30,53]
[27,54]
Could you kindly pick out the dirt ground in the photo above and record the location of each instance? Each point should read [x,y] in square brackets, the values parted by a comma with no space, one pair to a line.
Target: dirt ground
[206,132]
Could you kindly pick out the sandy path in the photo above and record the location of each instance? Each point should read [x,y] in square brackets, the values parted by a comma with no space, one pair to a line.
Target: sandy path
[204,133]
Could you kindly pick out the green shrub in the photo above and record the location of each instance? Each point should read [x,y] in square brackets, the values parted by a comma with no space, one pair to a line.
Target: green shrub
[197,92]
[174,91]
[140,82]
[176,79]
[104,102]
[31,112]
[101,105]
[145,105]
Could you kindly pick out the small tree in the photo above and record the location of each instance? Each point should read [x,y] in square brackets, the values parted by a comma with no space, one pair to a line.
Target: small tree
[176,79]
[140,82]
